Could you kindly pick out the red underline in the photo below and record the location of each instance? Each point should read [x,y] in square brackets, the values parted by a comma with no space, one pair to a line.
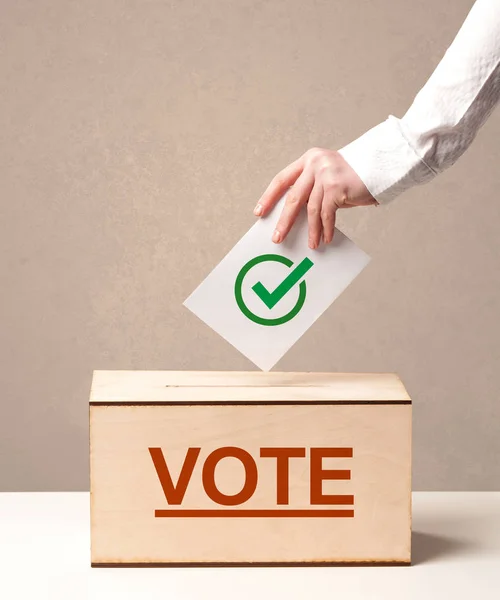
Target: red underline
[238,512]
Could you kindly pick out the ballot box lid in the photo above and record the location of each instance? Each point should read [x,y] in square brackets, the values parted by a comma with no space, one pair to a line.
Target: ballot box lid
[237,387]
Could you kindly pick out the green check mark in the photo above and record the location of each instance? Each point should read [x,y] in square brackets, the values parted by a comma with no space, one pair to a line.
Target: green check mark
[270,299]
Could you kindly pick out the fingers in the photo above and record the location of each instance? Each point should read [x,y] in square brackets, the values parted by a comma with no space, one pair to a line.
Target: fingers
[296,197]
[328,221]
[314,214]
[331,203]
[278,186]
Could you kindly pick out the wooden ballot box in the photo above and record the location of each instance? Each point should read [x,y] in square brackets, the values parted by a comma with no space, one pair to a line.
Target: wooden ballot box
[205,468]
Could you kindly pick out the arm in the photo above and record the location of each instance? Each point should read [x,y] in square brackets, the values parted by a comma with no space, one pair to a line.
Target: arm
[444,118]
[397,154]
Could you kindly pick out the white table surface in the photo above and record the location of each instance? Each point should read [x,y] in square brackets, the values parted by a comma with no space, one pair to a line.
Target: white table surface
[44,553]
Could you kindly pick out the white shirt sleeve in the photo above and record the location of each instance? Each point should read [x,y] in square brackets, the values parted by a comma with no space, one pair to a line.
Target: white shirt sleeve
[445,115]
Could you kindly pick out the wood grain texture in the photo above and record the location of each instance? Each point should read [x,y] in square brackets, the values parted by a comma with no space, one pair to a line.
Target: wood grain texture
[165,386]
[132,523]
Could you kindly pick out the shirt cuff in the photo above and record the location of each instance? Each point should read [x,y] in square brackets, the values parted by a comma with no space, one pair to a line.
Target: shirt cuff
[386,162]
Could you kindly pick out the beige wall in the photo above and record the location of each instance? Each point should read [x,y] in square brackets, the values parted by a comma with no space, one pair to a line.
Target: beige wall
[136,137]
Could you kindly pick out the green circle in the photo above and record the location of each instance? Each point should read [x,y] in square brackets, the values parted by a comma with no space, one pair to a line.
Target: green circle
[239,296]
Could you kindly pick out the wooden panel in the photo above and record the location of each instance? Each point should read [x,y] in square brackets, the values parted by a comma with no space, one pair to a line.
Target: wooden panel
[369,503]
[165,386]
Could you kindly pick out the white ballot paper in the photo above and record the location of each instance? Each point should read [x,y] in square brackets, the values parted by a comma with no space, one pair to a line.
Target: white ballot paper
[263,296]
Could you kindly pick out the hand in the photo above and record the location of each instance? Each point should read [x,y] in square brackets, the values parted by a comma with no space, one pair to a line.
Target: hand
[324,181]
